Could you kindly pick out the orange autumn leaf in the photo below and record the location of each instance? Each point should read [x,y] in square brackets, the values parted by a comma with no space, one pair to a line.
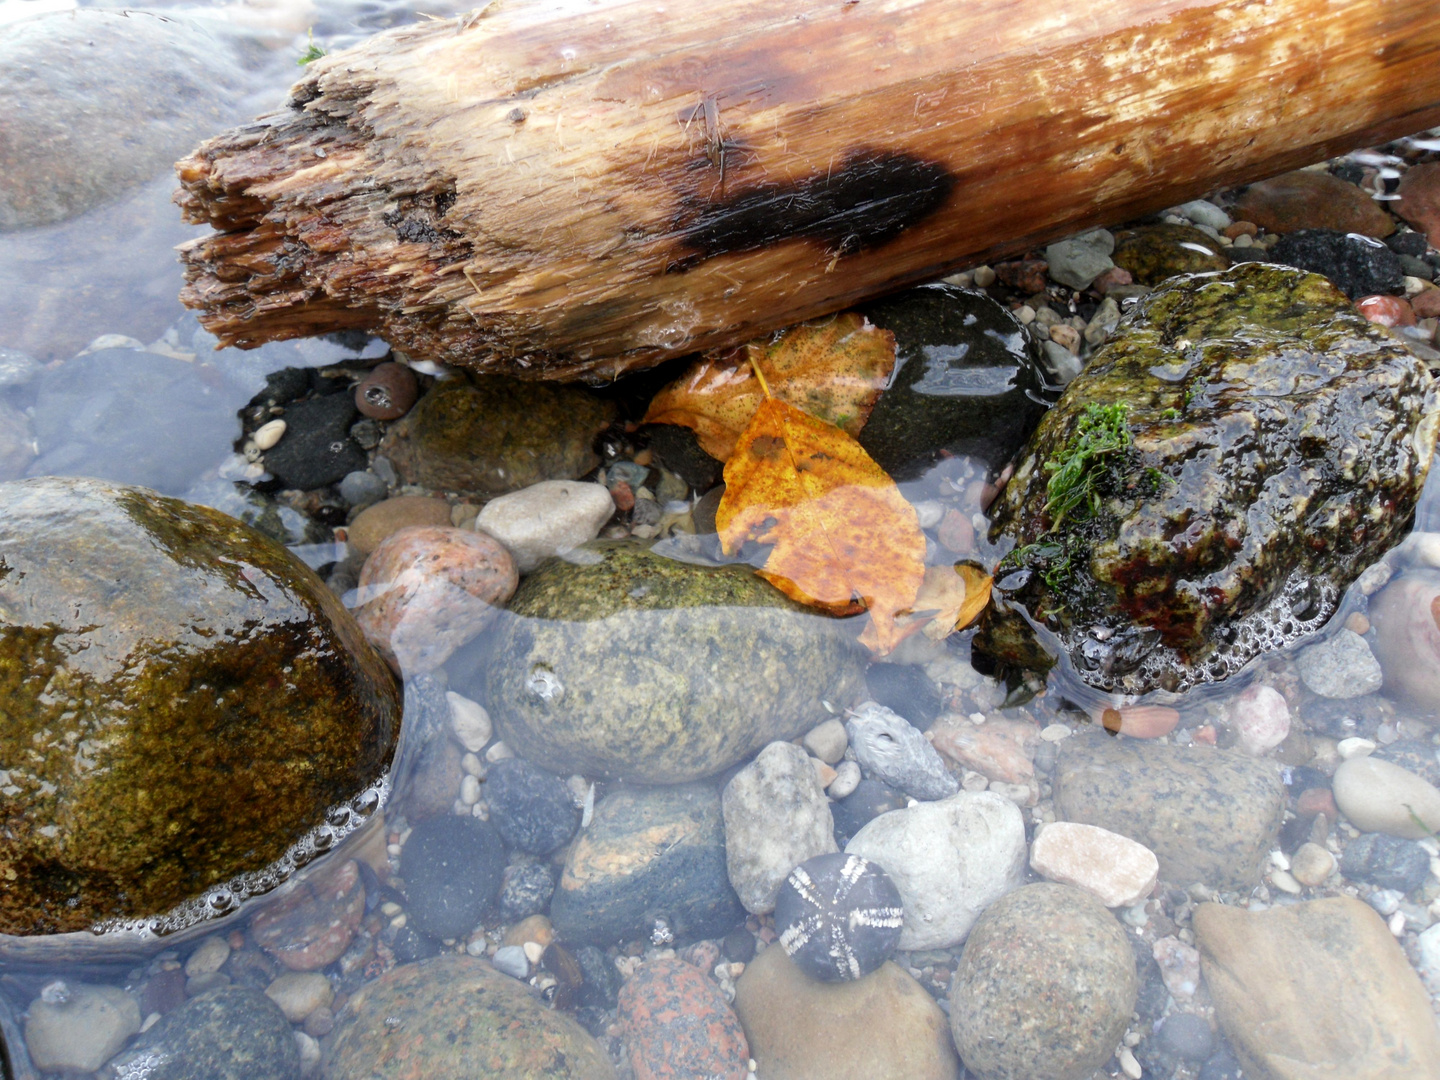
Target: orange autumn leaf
[832,368]
[845,540]
[950,599]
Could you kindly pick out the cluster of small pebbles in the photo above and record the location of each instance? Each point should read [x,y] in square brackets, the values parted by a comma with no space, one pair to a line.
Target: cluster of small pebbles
[941,873]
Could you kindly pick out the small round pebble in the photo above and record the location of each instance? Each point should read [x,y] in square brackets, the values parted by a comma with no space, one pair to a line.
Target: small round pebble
[847,779]
[512,961]
[530,807]
[839,916]
[469,721]
[1311,865]
[362,488]
[1188,1036]
[452,868]
[387,393]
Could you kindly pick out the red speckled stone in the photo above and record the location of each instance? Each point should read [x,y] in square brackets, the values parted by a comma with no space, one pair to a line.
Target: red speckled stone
[387,392]
[315,924]
[430,589]
[1386,310]
[1027,275]
[1427,304]
[1311,200]
[677,1025]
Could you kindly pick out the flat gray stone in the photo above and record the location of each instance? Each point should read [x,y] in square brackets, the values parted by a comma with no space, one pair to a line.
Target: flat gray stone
[1340,667]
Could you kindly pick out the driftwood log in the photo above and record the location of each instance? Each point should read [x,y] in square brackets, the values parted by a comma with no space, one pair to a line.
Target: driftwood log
[573,190]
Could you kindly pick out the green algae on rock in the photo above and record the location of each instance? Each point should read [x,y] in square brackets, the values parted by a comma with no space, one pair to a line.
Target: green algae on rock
[455,1016]
[181,701]
[1278,443]
[1153,253]
[640,667]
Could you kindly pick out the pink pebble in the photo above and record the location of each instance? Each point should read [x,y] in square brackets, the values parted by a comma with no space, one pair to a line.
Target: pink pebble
[1386,310]
[427,590]
[1261,718]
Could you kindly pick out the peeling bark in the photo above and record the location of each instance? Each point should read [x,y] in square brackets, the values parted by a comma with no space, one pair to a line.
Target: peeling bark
[576,191]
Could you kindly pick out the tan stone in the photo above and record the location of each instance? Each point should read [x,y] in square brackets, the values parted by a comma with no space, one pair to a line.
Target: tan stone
[1001,749]
[1110,866]
[535,928]
[375,523]
[1317,991]
[884,1025]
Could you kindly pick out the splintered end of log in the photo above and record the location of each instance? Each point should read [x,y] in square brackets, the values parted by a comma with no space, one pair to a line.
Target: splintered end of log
[577,196]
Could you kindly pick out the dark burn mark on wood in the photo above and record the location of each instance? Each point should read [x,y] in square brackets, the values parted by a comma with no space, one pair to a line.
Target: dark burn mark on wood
[867,199]
[415,219]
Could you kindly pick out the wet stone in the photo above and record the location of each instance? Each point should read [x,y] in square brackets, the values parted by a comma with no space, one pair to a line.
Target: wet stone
[1318,986]
[838,917]
[375,524]
[1209,815]
[1407,637]
[1184,378]
[546,519]
[441,1017]
[964,382]
[526,890]
[362,488]
[1079,260]
[316,449]
[1045,987]
[1357,265]
[907,690]
[453,868]
[1153,253]
[891,748]
[802,1029]
[233,1033]
[530,807]
[677,1025]
[648,853]
[488,435]
[1419,201]
[313,925]
[387,392]
[1387,861]
[76,1028]
[1380,796]
[1341,666]
[1307,199]
[611,665]
[869,800]
[221,646]
[1188,1036]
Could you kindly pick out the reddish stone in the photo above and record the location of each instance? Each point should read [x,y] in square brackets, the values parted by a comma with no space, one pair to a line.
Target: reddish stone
[1001,749]
[1419,201]
[1112,278]
[956,533]
[314,925]
[165,990]
[1386,310]
[1027,275]
[1426,305]
[428,590]
[1311,200]
[623,496]
[1241,228]
[1139,721]
[1317,800]
[1206,735]
[677,1025]
[387,392]
[703,955]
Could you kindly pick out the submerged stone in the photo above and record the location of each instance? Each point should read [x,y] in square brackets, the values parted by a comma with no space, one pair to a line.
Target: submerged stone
[1153,253]
[180,702]
[965,382]
[1241,449]
[626,664]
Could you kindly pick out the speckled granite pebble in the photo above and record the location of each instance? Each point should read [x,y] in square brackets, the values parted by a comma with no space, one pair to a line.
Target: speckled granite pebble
[678,1026]
[233,1033]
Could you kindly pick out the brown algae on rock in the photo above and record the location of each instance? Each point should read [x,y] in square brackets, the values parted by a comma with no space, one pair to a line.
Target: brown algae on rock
[181,701]
[1276,444]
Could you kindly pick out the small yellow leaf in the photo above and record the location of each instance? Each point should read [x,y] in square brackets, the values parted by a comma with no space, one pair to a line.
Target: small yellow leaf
[833,368]
[845,540]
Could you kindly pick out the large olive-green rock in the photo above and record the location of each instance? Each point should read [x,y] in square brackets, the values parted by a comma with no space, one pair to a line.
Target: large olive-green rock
[488,435]
[1274,444]
[635,666]
[454,1018]
[180,701]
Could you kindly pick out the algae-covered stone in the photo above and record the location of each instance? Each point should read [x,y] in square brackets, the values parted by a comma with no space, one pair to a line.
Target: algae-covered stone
[180,701]
[965,381]
[454,1016]
[1241,449]
[489,435]
[624,664]
[1153,253]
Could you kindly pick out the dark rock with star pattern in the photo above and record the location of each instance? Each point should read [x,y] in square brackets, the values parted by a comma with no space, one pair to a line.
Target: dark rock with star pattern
[838,916]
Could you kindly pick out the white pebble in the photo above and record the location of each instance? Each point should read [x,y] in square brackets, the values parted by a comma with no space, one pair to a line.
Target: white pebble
[1026,314]
[1354,748]
[1285,882]
[1397,923]
[309,1053]
[929,512]
[1279,860]
[208,958]
[1128,1065]
[470,791]
[1424,548]
[1055,732]
[268,434]
[1374,578]
[469,721]
[1414,286]
[472,765]
[847,779]
[983,276]
[533,951]
[498,752]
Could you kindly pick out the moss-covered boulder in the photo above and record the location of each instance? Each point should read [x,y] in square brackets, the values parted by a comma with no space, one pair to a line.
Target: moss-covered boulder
[453,1017]
[621,663]
[1207,488]
[180,702]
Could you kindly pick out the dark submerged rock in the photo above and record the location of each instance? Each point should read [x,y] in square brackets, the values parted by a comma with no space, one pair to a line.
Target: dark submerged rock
[1153,253]
[1356,265]
[529,806]
[1387,861]
[316,449]
[618,662]
[453,867]
[165,735]
[838,916]
[869,800]
[231,1033]
[649,853]
[1273,443]
[966,381]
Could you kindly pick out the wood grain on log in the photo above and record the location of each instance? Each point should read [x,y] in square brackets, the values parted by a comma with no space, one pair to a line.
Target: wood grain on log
[576,189]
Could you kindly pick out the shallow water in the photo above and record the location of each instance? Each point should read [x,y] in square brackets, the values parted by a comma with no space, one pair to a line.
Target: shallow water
[123,384]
